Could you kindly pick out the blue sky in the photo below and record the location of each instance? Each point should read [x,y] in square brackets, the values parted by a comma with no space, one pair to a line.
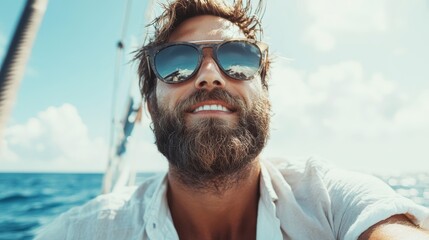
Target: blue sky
[349,85]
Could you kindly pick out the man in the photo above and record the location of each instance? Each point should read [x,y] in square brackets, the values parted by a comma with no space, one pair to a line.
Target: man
[204,77]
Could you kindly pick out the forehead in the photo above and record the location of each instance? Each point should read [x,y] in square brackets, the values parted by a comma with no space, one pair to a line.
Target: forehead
[206,27]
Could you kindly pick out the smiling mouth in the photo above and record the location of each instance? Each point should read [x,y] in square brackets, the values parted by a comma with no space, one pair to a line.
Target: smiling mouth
[211,106]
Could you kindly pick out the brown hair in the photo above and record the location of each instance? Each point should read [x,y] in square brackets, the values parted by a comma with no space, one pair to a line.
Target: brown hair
[178,11]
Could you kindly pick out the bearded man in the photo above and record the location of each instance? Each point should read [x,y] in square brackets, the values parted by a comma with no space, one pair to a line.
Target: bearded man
[204,78]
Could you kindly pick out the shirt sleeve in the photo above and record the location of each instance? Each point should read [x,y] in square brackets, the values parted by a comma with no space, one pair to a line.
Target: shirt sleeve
[55,230]
[359,201]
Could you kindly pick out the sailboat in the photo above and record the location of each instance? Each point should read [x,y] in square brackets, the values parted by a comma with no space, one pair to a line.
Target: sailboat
[119,171]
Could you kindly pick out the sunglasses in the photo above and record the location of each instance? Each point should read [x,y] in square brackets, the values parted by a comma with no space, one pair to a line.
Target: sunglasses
[177,62]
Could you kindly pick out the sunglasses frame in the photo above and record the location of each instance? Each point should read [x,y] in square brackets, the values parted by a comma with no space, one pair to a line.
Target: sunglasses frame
[151,53]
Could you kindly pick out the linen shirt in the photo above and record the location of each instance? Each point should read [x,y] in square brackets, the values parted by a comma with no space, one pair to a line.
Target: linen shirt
[298,200]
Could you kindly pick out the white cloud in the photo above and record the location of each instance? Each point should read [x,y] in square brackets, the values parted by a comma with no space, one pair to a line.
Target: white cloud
[331,17]
[358,119]
[321,39]
[5,153]
[343,99]
[415,116]
[55,140]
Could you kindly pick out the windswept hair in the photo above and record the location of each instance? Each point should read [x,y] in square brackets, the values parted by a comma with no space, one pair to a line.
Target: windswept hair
[239,12]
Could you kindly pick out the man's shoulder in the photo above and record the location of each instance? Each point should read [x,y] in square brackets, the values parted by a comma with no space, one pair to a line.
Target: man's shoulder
[298,168]
[123,199]
[122,210]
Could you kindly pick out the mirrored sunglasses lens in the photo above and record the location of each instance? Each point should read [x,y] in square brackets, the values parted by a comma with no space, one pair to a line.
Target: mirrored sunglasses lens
[176,63]
[240,60]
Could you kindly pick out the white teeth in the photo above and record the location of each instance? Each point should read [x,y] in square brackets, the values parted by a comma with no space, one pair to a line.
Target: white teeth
[212,107]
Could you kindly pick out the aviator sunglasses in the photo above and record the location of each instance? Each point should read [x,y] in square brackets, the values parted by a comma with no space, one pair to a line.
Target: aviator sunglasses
[177,62]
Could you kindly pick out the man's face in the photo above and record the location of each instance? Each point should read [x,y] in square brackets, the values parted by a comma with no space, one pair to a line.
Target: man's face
[217,140]
[209,75]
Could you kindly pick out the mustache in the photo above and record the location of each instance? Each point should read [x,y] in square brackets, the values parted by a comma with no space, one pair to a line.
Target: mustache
[218,94]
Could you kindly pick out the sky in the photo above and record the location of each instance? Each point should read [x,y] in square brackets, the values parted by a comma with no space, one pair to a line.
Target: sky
[349,85]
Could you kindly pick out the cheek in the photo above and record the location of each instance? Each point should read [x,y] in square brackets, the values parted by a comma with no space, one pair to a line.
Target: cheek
[169,95]
[164,95]
[161,97]
[251,91]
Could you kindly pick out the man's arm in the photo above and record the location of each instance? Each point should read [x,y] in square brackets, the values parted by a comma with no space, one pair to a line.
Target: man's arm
[395,227]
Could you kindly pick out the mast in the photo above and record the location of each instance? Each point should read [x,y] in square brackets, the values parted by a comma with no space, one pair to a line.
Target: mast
[120,172]
[113,165]
[13,67]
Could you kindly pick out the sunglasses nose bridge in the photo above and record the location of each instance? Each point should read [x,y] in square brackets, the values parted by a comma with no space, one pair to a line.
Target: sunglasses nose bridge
[209,75]
[208,55]
[207,51]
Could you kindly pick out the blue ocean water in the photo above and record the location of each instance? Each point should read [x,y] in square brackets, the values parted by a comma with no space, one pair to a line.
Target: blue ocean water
[28,201]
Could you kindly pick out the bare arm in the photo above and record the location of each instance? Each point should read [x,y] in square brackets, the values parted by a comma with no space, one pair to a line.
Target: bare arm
[395,227]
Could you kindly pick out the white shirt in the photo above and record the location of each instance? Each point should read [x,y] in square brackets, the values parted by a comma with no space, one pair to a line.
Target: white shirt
[304,200]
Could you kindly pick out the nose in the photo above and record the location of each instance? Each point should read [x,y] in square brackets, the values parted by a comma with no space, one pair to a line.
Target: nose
[209,75]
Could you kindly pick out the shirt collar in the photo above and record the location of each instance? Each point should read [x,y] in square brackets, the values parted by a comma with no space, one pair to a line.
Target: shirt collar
[268,224]
[159,223]
[157,218]
[266,186]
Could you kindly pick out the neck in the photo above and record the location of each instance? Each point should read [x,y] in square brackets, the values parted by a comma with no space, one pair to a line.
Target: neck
[219,212]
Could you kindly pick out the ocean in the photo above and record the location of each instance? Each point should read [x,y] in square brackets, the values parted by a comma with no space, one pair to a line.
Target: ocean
[30,200]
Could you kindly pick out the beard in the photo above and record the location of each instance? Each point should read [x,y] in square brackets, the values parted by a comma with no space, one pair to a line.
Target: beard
[211,154]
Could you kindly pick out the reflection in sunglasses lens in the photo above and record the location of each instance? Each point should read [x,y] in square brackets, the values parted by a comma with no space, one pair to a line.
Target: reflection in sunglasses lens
[176,63]
[239,60]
